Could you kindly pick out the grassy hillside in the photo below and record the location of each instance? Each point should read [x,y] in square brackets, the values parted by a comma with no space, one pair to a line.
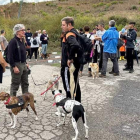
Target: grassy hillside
[47,15]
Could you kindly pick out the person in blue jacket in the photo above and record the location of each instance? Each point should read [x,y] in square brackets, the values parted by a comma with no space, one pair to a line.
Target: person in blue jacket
[110,39]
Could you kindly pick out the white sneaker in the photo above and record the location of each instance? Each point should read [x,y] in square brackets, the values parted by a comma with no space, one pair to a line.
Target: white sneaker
[29,59]
[36,60]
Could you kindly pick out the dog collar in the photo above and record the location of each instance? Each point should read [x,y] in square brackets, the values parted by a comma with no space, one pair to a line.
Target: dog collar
[6,103]
[57,95]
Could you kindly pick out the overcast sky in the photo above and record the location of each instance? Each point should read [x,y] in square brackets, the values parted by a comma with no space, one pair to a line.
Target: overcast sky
[3,2]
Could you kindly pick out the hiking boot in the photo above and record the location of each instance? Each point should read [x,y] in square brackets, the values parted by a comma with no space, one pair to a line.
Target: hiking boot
[89,74]
[111,72]
[126,69]
[102,76]
[131,70]
[116,74]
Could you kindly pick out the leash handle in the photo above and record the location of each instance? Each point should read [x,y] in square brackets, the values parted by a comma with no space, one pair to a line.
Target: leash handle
[51,86]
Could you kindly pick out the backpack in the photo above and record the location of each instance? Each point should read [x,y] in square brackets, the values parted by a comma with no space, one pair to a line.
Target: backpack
[5,56]
[120,43]
[85,48]
[34,41]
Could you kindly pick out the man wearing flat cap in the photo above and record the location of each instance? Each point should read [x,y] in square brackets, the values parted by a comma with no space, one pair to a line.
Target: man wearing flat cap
[130,43]
[17,61]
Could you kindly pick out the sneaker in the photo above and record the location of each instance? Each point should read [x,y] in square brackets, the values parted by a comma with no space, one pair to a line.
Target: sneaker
[36,60]
[126,69]
[116,74]
[102,76]
[29,59]
[111,72]
[131,70]
[89,74]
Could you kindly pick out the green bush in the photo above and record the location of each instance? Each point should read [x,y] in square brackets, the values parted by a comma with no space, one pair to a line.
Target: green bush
[114,2]
[59,8]
[133,7]
[87,11]
[98,5]
[119,20]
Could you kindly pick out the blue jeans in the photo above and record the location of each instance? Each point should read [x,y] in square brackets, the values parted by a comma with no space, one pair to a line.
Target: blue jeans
[44,48]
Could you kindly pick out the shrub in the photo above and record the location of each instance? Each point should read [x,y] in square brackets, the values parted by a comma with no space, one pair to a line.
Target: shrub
[119,20]
[133,7]
[59,8]
[101,14]
[33,3]
[114,2]
[98,5]
[87,11]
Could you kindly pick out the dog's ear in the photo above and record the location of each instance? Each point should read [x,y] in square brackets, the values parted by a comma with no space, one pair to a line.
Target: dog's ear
[53,92]
[60,91]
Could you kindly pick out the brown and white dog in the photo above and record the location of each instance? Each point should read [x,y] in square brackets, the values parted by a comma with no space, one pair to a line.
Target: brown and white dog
[28,99]
[50,83]
[94,70]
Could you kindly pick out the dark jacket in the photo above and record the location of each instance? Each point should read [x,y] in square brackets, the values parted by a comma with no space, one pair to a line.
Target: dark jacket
[131,38]
[42,37]
[70,47]
[13,52]
[28,38]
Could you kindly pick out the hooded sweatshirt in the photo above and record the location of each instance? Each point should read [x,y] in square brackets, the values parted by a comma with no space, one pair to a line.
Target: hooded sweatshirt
[110,39]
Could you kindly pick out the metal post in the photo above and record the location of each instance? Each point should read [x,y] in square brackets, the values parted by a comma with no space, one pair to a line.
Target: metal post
[20,7]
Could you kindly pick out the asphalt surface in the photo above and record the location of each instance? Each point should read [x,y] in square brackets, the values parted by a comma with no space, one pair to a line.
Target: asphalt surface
[112,105]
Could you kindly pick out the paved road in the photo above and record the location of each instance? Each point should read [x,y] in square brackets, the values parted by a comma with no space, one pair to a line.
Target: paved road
[112,105]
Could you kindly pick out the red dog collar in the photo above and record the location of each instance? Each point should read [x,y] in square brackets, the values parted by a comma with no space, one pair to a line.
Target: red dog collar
[57,95]
[6,103]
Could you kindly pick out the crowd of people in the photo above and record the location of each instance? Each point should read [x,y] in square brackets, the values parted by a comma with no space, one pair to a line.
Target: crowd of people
[104,46]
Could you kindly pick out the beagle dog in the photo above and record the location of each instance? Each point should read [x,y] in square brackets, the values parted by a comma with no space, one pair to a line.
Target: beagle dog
[16,104]
[66,106]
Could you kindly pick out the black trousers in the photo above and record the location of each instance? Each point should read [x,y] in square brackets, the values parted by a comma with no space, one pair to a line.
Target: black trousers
[1,73]
[101,57]
[129,57]
[95,57]
[32,51]
[65,74]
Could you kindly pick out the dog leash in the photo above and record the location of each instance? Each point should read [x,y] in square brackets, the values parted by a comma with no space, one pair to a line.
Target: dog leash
[51,86]
[37,84]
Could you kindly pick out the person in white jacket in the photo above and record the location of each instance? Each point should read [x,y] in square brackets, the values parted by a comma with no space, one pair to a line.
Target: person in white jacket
[35,41]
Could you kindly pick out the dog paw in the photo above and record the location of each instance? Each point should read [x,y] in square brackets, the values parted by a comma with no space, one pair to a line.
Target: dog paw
[58,124]
[36,119]
[13,126]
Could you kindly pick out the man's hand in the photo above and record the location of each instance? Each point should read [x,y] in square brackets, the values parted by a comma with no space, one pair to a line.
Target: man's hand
[69,62]
[16,70]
